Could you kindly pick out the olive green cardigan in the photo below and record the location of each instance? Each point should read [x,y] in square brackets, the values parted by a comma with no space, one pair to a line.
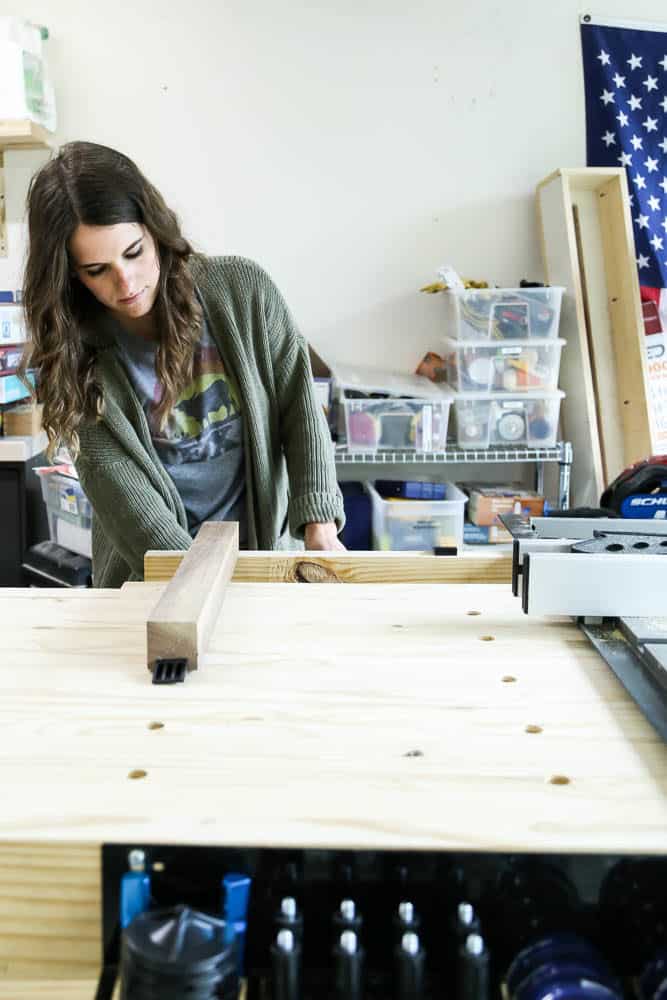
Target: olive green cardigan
[290,472]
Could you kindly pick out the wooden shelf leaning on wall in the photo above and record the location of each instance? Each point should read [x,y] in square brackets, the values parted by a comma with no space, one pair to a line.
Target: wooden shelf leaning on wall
[18,134]
[588,246]
[24,134]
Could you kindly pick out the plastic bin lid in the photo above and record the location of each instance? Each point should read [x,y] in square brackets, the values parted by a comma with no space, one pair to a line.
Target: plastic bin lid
[64,469]
[367,379]
[512,397]
[452,495]
[525,292]
[502,342]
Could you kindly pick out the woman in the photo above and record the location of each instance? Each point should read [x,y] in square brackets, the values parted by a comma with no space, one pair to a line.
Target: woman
[178,382]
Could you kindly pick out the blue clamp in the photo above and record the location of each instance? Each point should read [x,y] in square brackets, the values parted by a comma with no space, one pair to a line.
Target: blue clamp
[236,892]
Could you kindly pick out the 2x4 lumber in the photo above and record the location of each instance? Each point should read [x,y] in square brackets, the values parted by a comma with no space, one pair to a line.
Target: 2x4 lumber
[181,622]
[348,567]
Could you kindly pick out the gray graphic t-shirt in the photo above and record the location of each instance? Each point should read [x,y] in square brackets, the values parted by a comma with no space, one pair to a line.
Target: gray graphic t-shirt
[201,444]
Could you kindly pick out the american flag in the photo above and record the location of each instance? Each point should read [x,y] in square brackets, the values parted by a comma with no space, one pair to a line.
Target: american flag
[625,81]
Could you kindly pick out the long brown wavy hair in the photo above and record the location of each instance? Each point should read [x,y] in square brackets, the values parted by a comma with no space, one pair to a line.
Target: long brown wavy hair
[97,186]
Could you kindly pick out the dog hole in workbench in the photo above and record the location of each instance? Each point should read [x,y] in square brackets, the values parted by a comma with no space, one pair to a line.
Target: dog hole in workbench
[156,725]
[640,545]
[473,612]
[559,779]
[615,547]
[398,626]
[533,729]
[137,773]
[414,753]
[508,679]
[488,638]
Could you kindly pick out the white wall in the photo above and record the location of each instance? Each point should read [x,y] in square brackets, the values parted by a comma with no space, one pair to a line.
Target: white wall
[350,148]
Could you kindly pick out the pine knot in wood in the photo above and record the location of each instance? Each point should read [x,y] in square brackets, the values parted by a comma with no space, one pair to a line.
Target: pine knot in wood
[306,571]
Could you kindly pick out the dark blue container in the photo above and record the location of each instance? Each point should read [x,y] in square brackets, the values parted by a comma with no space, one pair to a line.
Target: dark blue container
[561,947]
[357,531]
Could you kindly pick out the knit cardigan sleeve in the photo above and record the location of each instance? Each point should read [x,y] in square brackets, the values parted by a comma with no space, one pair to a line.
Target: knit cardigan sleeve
[132,514]
[314,492]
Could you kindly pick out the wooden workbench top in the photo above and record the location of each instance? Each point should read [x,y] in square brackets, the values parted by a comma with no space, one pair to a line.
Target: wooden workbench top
[357,715]
[361,716]
[17,989]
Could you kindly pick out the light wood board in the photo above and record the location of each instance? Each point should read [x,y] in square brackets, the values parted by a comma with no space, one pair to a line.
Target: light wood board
[50,911]
[487,566]
[17,134]
[24,134]
[73,989]
[42,989]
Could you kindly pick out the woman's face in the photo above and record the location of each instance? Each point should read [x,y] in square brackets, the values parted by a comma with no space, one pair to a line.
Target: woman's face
[119,265]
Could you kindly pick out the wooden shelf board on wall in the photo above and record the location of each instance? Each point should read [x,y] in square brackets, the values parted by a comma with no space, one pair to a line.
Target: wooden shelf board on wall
[24,134]
[18,134]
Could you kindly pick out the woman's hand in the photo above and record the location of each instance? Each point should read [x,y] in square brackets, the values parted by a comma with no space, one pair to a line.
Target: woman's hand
[322,536]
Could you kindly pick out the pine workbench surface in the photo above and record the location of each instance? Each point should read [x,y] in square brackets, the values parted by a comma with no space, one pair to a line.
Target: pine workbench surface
[414,716]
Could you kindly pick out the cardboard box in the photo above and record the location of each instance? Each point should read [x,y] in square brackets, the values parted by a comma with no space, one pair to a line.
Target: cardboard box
[487,501]
[25,420]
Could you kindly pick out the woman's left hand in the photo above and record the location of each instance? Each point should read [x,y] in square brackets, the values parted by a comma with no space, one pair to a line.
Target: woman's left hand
[322,536]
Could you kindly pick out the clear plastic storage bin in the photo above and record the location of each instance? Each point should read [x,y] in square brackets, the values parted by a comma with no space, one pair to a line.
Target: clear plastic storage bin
[12,324]
[391,410]
[416,424]
[409,525]
[529,419]
[68,509]
[522,366]
[503,313]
